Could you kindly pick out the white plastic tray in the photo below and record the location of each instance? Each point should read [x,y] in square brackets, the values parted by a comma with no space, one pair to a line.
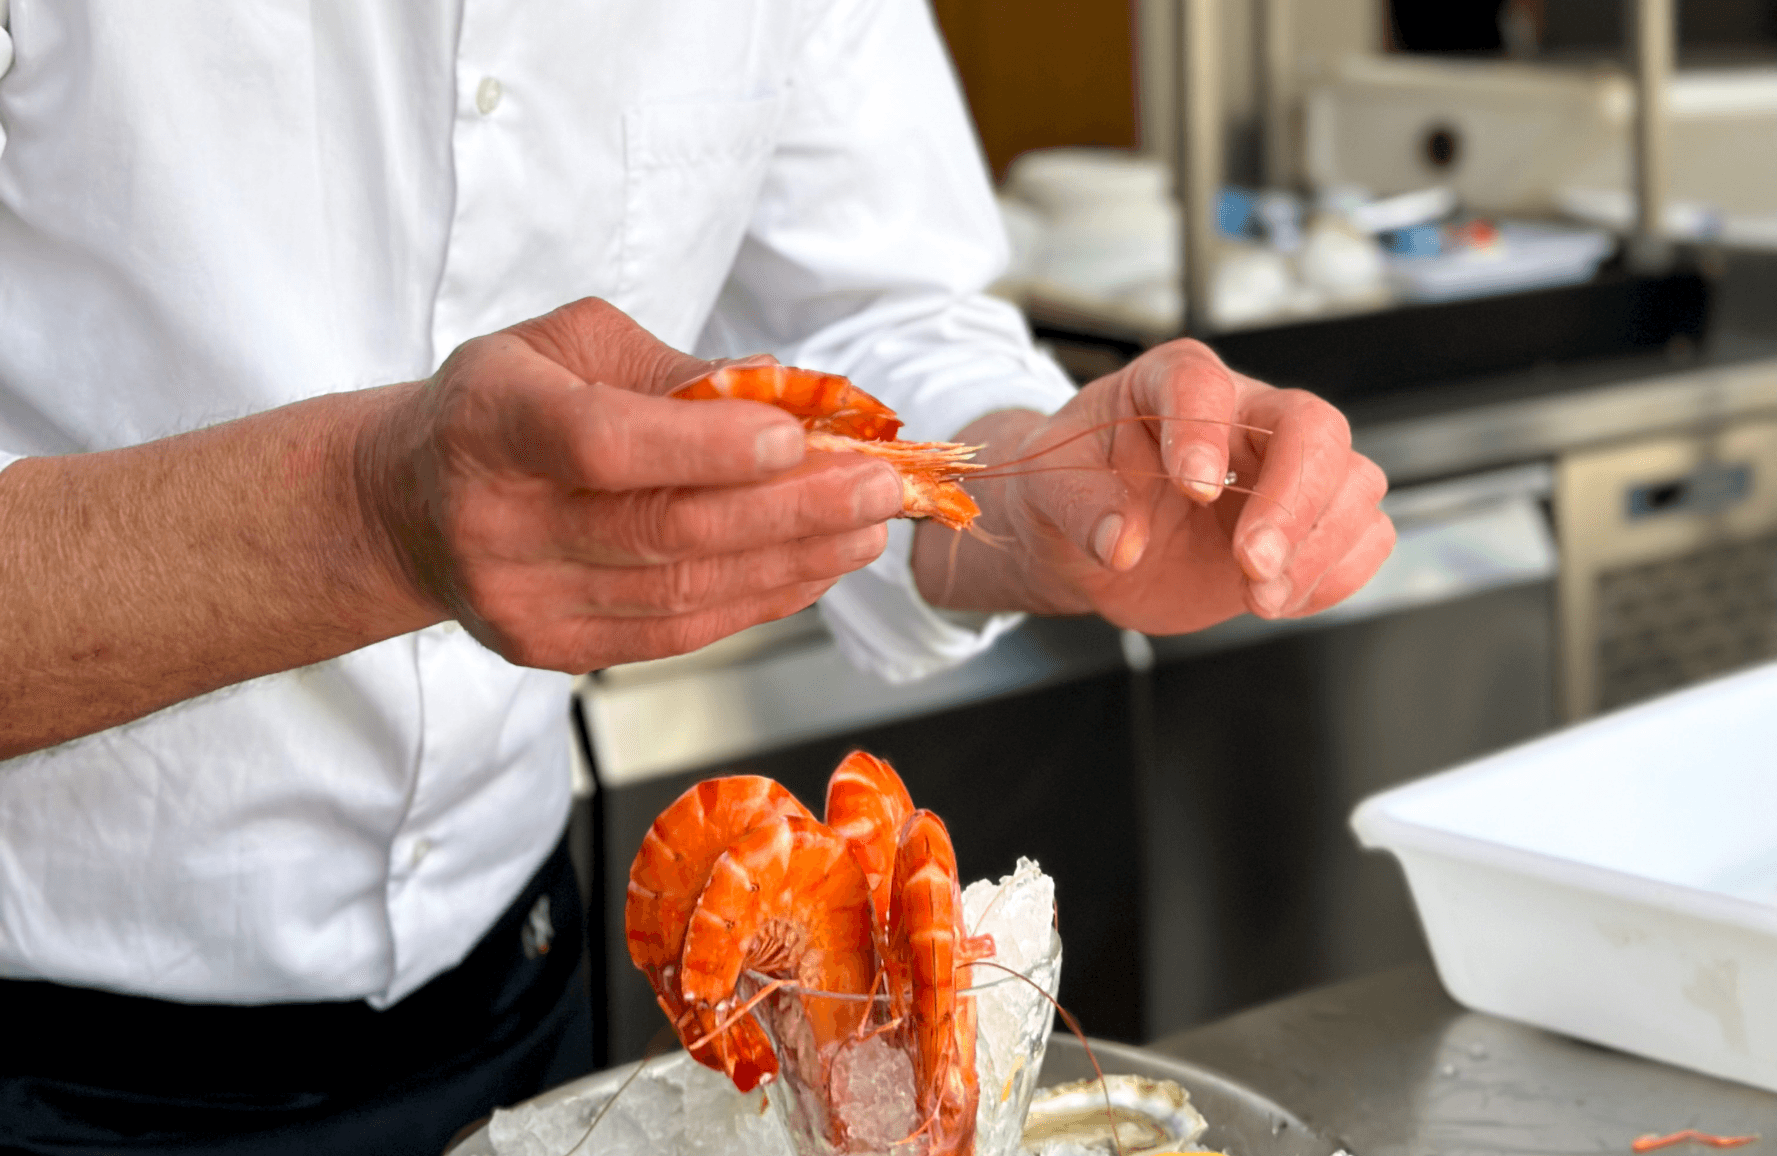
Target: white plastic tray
[1616,881]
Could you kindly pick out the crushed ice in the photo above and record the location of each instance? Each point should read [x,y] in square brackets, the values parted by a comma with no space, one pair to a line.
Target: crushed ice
[1012,1017]
[873,1084]
[675,1106]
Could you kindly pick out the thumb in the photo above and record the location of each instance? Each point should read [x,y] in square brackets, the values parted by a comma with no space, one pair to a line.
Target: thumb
[598,342]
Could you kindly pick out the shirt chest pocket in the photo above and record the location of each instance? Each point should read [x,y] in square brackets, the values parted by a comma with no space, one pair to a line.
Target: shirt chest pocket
[693,171]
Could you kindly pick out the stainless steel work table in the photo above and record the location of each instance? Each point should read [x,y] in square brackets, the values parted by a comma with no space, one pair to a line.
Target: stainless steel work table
[1388,1065]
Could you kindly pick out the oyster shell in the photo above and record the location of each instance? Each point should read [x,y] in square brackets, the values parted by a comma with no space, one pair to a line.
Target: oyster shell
[1151,1116]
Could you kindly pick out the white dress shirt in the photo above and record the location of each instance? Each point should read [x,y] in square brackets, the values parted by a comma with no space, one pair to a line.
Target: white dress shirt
[210,210]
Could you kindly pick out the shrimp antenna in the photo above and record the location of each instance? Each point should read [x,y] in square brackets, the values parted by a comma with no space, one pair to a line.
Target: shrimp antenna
[1125,420]
[1004,887]
[1080,1034]
[1224,484]
[956,540]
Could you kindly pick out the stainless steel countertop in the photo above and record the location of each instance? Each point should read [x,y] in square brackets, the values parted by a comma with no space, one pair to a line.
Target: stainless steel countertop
[1388,1065]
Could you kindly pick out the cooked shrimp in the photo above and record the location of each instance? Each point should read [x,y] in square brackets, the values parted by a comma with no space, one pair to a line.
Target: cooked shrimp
[788,901]
[868,804]
[927,964]
[665,880]
[826,402]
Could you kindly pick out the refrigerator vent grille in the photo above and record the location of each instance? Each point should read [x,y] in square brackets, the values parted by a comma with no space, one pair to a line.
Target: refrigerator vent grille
[1663,625]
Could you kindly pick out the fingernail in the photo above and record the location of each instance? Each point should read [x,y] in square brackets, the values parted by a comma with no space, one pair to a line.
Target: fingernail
[1272,597]
[1266,551]
[778,447]
[1201,469]
[1104,538]
[879,495]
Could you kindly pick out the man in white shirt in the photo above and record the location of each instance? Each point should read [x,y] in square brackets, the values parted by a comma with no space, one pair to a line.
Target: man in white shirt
[262,796]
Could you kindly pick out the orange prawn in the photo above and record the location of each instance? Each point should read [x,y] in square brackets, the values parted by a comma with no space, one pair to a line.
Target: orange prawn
[868,804]
[927,963]
[665,882]
[786,900]
[908,858]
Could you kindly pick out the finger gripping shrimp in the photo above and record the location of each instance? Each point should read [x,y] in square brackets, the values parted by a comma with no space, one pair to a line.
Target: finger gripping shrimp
[665,881]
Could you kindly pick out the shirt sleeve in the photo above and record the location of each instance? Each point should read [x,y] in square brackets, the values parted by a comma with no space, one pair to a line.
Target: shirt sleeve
[871,244]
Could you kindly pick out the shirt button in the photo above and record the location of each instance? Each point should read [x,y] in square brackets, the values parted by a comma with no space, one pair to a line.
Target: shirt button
[487,95]
[450,626]
[422,847]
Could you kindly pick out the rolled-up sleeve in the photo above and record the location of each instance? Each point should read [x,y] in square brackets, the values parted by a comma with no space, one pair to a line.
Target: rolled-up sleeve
[869,249]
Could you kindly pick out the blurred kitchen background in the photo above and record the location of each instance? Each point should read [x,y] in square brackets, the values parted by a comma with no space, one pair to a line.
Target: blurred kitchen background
[1530,247]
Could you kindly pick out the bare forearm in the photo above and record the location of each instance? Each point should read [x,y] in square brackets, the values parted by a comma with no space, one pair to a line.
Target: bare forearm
[136,578]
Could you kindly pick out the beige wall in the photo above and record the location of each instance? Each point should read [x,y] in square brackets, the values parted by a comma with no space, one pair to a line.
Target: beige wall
[1322,32]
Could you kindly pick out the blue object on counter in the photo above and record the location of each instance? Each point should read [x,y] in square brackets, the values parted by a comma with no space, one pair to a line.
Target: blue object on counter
[1234,210]
[1419,241]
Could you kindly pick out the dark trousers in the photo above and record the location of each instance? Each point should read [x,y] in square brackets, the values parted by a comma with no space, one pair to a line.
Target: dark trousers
[87,1072]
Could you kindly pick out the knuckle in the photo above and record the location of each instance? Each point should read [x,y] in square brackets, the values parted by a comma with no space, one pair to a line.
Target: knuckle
[1189,350]
[1383,533]
[1372,479]
[464,356]
[642,525]
[817,503]
[685,586]
[604,456]
[591,310]
[1186,357]
[680,525]
[1334,425]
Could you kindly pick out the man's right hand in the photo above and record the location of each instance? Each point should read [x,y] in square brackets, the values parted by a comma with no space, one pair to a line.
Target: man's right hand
[542,490]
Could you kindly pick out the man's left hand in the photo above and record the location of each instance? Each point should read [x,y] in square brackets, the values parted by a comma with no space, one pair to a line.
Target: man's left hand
[1117,505]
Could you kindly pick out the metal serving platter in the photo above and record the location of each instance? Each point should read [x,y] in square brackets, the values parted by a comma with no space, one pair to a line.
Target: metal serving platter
[1241,1121]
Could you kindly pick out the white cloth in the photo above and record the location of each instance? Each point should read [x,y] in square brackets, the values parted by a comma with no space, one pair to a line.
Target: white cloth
[207,211]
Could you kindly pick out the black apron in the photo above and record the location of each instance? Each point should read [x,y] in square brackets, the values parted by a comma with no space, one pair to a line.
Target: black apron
[84,1073]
